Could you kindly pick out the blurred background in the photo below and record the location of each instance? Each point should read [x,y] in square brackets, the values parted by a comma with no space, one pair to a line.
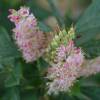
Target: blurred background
[69,10]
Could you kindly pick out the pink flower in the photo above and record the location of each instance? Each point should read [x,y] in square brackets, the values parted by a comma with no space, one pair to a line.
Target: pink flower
[14,17]
[28,37]
[62,78]
[61,53]
[17,16]
[64,73]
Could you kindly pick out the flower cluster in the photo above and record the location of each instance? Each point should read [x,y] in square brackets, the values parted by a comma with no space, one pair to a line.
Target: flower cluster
[62,78]
[65,71]
[67,61]
[30,40]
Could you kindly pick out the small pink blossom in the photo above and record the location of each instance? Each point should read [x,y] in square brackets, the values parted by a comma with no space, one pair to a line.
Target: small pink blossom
[62,78]
[23,11]
[17,16]
[14,17]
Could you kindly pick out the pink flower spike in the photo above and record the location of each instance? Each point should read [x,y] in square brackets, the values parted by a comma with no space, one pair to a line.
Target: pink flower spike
[66,70]
[28,37]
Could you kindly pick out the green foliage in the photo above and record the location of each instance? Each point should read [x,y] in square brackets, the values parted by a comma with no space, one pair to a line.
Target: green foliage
[11,94]
[88,25]
[92,48]
[30,95]
[8,50]
[14,75]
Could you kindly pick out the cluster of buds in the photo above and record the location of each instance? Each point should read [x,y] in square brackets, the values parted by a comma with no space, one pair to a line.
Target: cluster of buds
[61,37]
[30,40]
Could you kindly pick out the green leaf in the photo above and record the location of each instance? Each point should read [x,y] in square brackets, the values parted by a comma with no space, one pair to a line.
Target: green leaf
[89,24]
[14,75]
[61,96]
[82,96]
[29,95]
[75,89]
[8,50]
[92,92]
[92,48]
[11,94]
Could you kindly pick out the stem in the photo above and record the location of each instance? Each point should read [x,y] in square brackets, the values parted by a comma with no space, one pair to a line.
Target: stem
[56,13]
